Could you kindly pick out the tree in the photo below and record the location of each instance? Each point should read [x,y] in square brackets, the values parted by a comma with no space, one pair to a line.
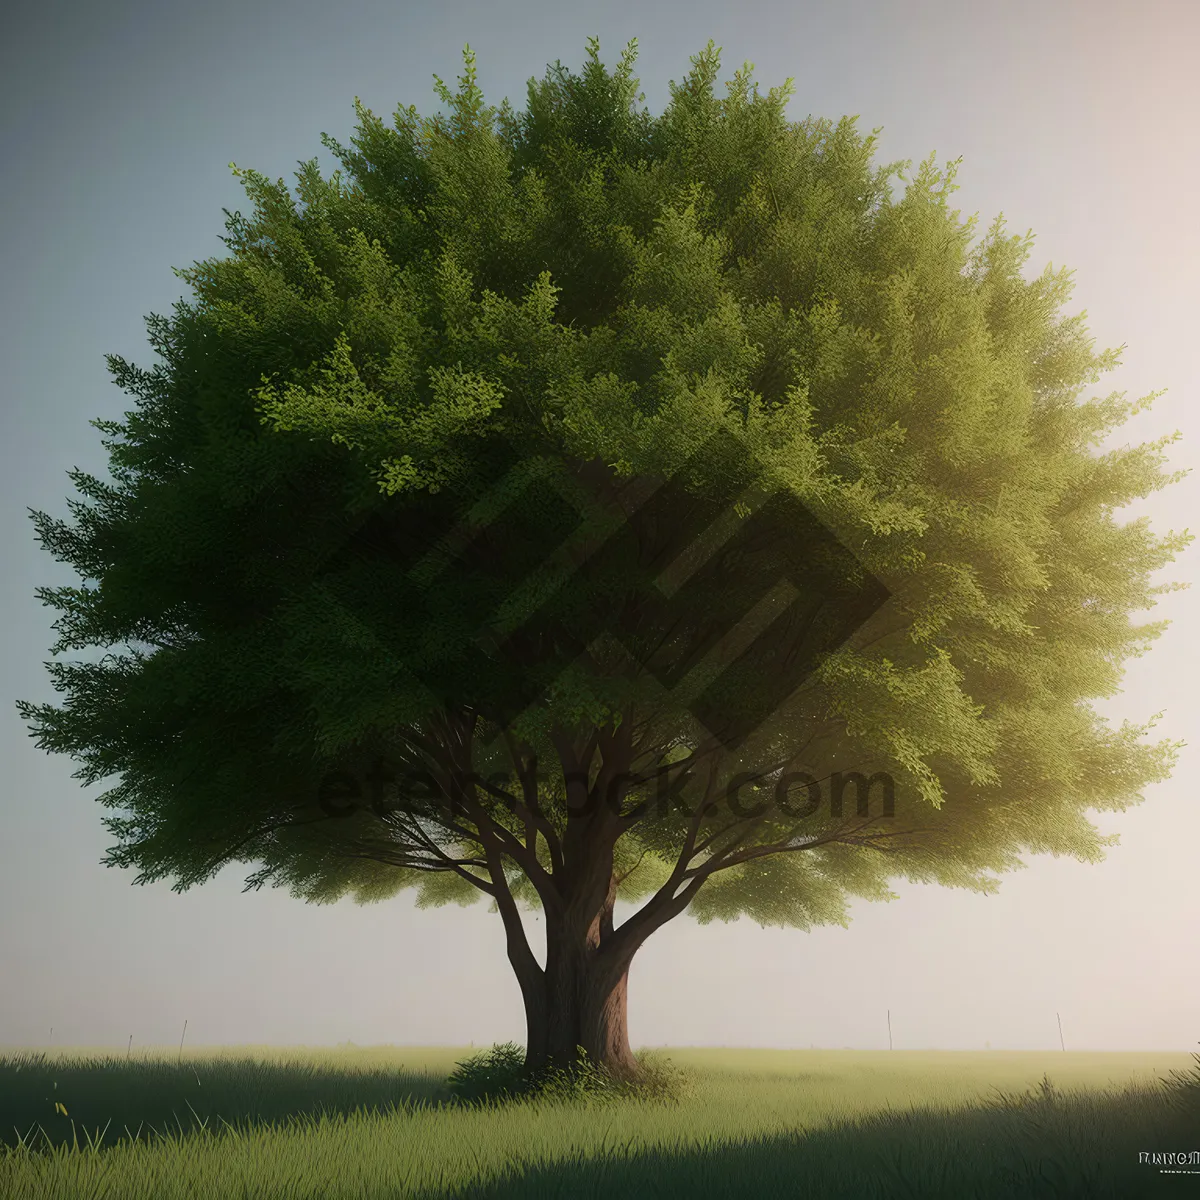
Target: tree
[398,505]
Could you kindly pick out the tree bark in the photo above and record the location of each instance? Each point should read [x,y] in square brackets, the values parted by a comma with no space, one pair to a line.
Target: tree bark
[606,1025]
[579,999]
[582,1000]
[582,1004]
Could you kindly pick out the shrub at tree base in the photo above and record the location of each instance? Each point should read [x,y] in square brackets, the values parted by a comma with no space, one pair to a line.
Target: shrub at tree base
[500,1074]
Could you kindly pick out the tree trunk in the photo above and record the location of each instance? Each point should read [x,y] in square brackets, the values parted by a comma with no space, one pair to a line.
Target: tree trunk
[606,1025]
[582,1003]
[580,1000]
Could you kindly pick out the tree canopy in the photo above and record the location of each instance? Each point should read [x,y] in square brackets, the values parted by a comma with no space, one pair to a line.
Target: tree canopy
[374,504]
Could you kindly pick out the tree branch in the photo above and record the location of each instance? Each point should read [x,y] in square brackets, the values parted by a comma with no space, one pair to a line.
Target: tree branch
[405,861]
[227,855]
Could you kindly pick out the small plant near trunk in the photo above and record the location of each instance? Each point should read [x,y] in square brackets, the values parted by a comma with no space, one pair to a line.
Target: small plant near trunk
[490,1075]
[498,1074]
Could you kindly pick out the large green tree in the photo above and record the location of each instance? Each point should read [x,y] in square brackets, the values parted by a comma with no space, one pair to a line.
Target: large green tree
[392,547]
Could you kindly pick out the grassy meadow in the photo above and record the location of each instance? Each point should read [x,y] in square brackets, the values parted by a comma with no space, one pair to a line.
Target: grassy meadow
[262,1123]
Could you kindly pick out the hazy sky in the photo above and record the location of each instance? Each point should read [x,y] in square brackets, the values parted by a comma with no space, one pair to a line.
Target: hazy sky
[117,125]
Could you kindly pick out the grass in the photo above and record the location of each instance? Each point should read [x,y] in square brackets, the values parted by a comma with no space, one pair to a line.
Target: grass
[379,1122]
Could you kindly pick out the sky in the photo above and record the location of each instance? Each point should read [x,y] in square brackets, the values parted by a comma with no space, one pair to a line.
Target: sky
[1077,120]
